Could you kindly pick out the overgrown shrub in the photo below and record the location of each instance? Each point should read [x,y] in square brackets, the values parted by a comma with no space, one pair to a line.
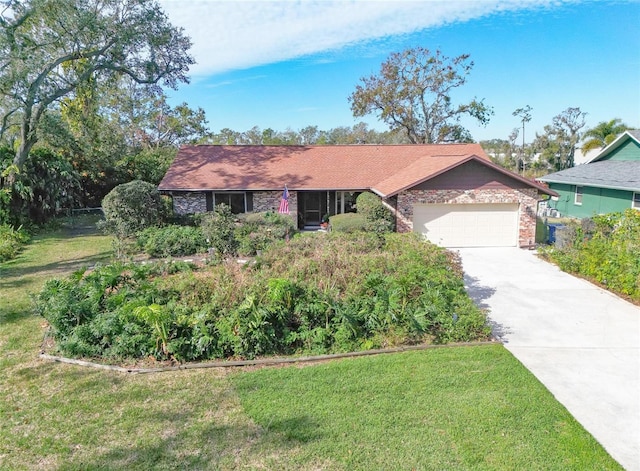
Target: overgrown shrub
[256,231]
[244,234]
[378,217]
[348,222]
[218,229]
[606,249]
[11,241]
[314,294]
[132,207]
[171,241]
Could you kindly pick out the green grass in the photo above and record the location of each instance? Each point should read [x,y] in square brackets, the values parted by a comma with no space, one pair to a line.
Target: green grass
[459,408]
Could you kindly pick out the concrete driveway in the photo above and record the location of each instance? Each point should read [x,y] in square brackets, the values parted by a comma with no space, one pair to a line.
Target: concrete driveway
[580,341]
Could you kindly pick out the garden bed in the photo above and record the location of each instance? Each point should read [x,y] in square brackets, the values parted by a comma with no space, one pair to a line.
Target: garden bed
[311,296]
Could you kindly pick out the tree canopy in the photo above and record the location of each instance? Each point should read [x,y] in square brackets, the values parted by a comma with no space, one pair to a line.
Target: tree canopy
[558,143]
[603,134]
[359,133]
[49,48]
[412,93]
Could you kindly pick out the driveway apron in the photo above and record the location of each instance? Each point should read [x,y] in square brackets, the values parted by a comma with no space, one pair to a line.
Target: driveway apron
[580,341]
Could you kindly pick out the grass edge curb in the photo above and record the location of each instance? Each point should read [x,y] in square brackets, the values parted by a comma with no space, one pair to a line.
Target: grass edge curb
[259,362]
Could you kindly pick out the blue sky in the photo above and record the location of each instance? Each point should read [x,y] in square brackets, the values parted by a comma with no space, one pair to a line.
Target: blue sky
[290,64]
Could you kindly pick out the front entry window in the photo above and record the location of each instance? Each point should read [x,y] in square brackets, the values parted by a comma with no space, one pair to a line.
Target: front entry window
[346,201]
[313,206]
[236,201]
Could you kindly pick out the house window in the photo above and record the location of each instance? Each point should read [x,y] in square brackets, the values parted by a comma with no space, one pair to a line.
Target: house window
[346,201]
[635,203]
[236,201]
[578,199]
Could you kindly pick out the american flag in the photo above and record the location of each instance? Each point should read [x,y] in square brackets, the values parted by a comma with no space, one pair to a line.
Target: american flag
[284,202]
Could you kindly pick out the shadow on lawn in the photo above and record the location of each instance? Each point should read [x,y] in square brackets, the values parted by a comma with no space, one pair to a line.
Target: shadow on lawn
[228,446]
[10,276]
[23,275]
[297,429]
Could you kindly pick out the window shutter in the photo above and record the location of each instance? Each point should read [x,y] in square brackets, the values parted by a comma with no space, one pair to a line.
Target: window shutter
[249,199]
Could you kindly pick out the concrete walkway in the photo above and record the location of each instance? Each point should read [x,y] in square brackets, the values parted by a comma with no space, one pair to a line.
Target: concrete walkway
[580,341]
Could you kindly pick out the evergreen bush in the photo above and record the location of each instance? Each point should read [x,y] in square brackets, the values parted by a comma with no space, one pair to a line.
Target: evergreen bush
[11,241]
[132,207]
[171,241]
[378,217]
[257,231]
[348,222]
[218,229]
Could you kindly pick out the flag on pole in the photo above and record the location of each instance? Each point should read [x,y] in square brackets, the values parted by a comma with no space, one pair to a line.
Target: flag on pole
[284,202]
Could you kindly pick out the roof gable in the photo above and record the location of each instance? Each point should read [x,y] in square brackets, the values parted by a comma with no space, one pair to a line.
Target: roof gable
[432,169]
[624,148]
[385,169]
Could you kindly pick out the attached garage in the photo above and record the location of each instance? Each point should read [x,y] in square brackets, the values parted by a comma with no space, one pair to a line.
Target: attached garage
[468,225]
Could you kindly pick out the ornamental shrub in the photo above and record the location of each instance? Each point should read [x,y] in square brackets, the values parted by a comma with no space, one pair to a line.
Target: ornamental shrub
[378,217]
[11,241]
[348,222]
[171,241]
[218,229]
[256,231]
[132,207]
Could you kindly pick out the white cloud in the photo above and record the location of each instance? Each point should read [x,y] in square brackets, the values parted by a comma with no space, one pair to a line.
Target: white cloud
[230,35]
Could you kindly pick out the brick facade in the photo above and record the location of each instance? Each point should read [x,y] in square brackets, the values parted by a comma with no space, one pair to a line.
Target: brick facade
[196,202]
[526,198]
[270,201]
[189,203]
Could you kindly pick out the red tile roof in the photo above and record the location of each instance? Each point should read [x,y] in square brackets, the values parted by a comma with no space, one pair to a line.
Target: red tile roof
[385,169]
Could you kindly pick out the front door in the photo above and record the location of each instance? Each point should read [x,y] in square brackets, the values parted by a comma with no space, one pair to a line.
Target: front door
[312,206]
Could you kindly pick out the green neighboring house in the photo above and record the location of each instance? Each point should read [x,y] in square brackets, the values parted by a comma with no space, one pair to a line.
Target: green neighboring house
[610,182]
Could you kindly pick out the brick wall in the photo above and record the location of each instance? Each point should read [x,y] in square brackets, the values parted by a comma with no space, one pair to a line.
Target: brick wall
[196,202]
[526,198]
[270,201]
[189,203]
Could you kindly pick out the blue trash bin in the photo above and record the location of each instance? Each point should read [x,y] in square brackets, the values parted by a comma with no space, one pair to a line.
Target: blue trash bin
[552,228]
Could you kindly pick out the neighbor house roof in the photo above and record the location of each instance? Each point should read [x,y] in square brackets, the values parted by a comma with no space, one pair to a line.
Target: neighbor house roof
[384,169]
[633,134]
[618,175]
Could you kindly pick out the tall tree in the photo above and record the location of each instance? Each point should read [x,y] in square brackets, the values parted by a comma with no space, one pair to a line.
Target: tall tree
[498,150]
[525,116]
[48,48]
[603,134]
[558,143]
[412,93]
[309,135]
[165,126]
[512,154]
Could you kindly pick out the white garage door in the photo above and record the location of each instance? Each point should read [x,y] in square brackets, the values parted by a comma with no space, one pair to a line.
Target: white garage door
[468,225]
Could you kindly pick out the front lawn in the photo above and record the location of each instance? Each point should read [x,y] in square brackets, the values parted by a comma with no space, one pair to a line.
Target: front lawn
[462,408]
[455,408]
